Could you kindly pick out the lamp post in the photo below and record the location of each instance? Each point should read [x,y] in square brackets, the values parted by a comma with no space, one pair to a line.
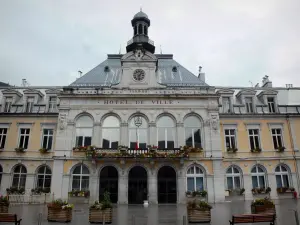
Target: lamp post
[138,121]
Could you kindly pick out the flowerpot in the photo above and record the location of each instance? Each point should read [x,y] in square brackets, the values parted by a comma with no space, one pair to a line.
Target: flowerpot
[260,209]
[146,203]
[198,216]
[4,208]
[59,215]
[195,154]
[98,216]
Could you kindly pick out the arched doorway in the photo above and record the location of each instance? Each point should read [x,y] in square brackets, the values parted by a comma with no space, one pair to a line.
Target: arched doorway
[166,185]
[109,182]
[137,185]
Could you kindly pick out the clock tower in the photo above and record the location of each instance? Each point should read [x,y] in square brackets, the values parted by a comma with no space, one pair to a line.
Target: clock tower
[139,64]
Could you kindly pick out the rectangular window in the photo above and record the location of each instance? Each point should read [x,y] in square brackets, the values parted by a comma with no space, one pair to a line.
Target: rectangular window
[83,136]
[29,104]
[8,103]
[3,133]
[277,138]
[24,138]
[249,105]
[193,137]
[230,138]
[53,104]
[226,105]
[271,104]
[47,138]
[254,138]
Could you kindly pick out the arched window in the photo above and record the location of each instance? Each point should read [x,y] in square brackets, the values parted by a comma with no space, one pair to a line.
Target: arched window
[84,131]
[145,30]
[140,29]
[43,177]
[80,178]
[192,131]
[258,177]
[19,177]
[135,30]
[165,132]
[1,171]
[195,179]
[282,176]
[111,132]
[234,178]
[138,132]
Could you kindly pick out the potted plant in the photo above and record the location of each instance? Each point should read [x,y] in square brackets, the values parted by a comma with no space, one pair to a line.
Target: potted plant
[59,211]
[189,194]
[263,205]
[4,204]
[268,190]
[256,150]
[198,211]
[44,150]
[281,149]
[101,212]
[232,150]
[15,191]
[21,150]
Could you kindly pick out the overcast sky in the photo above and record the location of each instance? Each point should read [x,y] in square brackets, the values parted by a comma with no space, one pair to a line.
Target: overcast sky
[236,42]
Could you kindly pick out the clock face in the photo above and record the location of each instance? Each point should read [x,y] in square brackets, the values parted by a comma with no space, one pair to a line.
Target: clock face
[139,75]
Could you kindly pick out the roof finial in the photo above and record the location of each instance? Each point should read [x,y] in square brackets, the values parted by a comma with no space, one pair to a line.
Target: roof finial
[141,9]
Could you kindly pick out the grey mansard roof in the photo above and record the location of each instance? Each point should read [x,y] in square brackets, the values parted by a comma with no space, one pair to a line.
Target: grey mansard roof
[164,74]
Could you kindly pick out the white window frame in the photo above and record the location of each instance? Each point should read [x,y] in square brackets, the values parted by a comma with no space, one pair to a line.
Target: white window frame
[229,104]
[2,136]
[259,174]
[25,135]
[281,173]
[230,127]
[30,104]
[8,104]
[19,173]
[249,105]
[233,175]
[270,104]
[256,145]
[52,104]
[43,175]
[47,135]
[81,175]
[194,176]
[277,136]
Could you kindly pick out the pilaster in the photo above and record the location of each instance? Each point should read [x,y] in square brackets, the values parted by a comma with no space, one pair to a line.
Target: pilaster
[152,186]
[218,179]
[29,182]
[152,134]
[124,134]
[248,187]
[181,198]
[57,178]
[97,135]
[180,134]
[123,189]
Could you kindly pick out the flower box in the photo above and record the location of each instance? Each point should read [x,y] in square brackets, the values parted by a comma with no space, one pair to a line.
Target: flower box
[57,214]
[198,212]
[4,207]
[100,216]
[232,150]
[44,150]
[263,205]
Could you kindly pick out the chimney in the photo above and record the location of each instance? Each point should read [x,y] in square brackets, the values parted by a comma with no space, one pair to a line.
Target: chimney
[266,82]
[289,85]
[201,76]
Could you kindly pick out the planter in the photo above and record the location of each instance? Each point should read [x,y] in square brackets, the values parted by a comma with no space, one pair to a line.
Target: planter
[100,216]
[195,154]
[260,209]
[59,215]
[198,216]
[4,208]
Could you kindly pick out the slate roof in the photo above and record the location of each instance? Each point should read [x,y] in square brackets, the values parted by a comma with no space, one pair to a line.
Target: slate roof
[165,74]
[4,84]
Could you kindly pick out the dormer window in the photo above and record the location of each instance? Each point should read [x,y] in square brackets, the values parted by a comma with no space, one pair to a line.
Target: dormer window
[29,104]
[271,104]
[106,69]
[8,103]
[249,104]
[174,69]
[226,105]
[53,104]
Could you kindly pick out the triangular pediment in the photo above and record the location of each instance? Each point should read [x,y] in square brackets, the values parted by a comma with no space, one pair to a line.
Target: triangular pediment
[53,91]
[246,92]
[267,92]
[33,91]
[225,91]
[11,92]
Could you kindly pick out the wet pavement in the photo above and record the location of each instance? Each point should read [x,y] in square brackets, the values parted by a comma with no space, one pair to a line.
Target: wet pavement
[157,214]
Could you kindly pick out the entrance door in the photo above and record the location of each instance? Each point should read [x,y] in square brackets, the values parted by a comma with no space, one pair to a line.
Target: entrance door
[166,185]
[137,185]
[109,182]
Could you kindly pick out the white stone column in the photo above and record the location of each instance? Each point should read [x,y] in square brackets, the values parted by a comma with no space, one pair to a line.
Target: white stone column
[57,178]
[273,186]
[293,134]
[65,140]
[219,183]
[124,134]
[248,186]
[66,187]
[29,183]
[180,135]
[152,134]
[181,177]
[123,188]
[152,186]
[94,188]
[97,135]
[5,182]
[210,188]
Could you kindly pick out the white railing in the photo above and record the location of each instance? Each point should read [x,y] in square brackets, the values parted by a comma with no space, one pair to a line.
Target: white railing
[30,199]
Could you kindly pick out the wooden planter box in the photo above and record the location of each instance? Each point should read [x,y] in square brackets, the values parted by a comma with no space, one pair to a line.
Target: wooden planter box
[98,216]
[4,208]
[59,215]
[261,209]
[198,216]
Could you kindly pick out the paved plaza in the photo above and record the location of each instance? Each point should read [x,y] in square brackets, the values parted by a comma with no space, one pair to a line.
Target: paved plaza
[157,214]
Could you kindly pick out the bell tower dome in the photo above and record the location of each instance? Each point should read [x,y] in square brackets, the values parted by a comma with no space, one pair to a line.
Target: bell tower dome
[140,24]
